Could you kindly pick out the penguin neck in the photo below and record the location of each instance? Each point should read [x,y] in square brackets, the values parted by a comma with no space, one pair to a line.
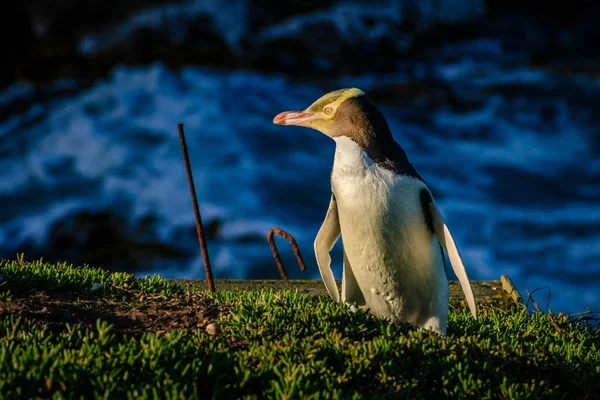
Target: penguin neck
[361,122]
[379,145]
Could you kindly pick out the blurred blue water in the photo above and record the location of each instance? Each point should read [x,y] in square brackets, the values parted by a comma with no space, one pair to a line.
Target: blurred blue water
[511,154]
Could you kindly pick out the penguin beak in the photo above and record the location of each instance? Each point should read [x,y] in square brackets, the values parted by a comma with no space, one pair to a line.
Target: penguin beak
[294,117]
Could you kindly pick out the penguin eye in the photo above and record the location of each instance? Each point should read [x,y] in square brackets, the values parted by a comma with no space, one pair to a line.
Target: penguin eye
[328,110]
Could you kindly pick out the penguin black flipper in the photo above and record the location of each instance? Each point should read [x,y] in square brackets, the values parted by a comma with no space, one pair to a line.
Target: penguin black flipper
[445,238]
[328,234]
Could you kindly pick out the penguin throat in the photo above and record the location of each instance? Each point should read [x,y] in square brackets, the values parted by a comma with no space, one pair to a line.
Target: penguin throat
[379,145]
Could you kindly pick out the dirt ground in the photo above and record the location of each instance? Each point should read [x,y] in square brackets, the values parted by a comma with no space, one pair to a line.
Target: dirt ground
[132,316]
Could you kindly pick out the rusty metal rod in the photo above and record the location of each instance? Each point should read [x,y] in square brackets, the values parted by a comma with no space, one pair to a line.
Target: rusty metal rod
[199,228]
[295,248]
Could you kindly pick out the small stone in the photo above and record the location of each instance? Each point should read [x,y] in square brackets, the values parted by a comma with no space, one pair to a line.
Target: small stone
[213,329]
[95,286]
[352,308]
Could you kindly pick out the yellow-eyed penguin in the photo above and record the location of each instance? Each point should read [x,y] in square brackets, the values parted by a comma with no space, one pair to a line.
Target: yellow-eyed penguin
[390,225]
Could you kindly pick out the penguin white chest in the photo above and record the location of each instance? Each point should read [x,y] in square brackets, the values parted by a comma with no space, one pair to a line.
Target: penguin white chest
[395,258]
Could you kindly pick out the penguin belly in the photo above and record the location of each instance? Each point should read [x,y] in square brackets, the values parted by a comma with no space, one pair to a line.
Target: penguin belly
[395,258]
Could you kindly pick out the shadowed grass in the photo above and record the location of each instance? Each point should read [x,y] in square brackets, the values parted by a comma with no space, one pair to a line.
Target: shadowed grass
[23,276]
[286,345]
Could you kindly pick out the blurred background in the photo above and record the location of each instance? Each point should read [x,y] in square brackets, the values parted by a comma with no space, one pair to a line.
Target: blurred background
[497,104]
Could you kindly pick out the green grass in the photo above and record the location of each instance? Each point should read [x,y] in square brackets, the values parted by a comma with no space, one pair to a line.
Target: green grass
[286,345]
[37,275]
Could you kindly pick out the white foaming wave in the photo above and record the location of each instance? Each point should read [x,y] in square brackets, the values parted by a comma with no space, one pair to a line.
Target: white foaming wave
[100,131]
[69,136]
[483,73]
[13,177]
[446,119]
[512,143]
[512,76]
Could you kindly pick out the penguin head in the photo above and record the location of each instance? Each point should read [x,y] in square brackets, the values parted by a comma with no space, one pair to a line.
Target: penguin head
[343,112]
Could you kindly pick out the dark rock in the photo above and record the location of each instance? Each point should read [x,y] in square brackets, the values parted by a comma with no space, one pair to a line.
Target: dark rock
[101,238]
[200,44]
[550,32]
[318,47]
[398,93]
[430,93]
[69,19]
[295,56]
[316,42]
[204,45]
[16,39]
[251,238]
[144,46]
[264,12]
[213,229]
[343,40]
[304,39]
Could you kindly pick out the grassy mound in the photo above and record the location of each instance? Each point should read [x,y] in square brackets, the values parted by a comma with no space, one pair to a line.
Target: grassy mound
[80,332]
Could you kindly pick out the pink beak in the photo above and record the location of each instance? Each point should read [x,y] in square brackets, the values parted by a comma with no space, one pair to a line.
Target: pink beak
[293,117]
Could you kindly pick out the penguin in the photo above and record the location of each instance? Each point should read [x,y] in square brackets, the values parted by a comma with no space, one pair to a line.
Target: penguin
[393,234]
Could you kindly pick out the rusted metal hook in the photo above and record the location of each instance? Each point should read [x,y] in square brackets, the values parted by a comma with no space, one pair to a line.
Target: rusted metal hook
[295,248]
